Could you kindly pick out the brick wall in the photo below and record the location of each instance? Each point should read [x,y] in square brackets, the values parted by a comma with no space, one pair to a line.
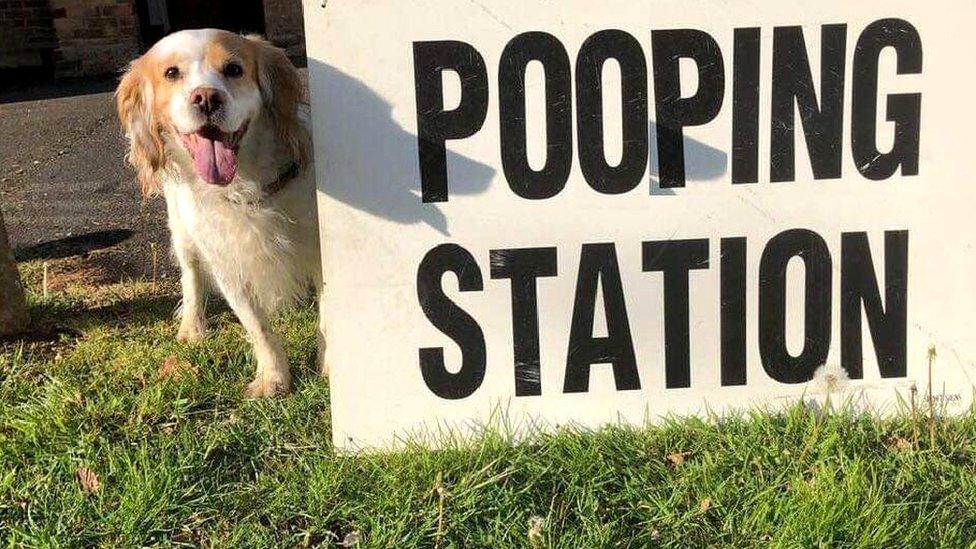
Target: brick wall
[284,25]
[26,33]
[94,36]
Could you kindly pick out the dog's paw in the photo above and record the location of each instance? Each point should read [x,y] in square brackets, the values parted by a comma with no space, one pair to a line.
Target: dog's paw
[191,332]
[268,385]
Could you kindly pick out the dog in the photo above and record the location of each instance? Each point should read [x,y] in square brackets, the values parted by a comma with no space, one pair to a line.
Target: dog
[218,124]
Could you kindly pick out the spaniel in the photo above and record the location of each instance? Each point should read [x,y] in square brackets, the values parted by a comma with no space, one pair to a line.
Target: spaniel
[216,122]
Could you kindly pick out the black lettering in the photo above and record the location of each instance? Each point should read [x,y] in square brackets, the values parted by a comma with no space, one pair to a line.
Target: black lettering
[733,311]
[524,181]
[676,258]
[523,267]
[888,322]
[776,359]
[435,125]
[745,106]
[904,109]
[598,265]
[793,84]
[447,317]
[624,48]
[674,112]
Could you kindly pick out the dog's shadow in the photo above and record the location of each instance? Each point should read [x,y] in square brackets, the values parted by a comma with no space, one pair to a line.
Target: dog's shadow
[380,158]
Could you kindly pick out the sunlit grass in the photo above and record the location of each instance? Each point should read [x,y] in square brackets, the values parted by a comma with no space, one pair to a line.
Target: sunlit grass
[186,460]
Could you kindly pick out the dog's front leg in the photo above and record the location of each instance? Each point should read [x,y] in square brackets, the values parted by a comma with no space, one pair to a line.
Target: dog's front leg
[193,323]
[272,375]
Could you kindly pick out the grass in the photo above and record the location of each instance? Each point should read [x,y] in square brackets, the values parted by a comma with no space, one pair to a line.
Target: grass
[99,448]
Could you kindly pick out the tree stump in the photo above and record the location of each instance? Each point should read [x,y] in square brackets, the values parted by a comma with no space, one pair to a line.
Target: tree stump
[13,307]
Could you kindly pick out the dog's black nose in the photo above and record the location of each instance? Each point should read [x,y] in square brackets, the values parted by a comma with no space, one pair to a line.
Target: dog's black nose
[208,100]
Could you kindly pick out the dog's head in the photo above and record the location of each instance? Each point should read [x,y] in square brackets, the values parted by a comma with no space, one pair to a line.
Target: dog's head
[193,98]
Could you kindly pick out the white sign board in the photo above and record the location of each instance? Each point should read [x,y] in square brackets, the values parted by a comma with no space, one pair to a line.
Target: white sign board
[589,212]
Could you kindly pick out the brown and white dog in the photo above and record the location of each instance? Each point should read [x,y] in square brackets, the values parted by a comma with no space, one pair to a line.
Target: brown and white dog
[216,122]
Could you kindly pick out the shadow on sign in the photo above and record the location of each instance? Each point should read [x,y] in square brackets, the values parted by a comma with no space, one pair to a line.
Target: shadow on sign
[702,162]
[380,158]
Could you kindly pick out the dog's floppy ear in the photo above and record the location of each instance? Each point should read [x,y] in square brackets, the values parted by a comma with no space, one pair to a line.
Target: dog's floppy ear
[283,92]
[146,150]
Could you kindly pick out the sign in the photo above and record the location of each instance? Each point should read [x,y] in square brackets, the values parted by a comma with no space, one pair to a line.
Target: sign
[593,212]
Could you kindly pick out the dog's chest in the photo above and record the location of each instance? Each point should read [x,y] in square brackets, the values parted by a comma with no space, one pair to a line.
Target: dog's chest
[231,226]
[270,249]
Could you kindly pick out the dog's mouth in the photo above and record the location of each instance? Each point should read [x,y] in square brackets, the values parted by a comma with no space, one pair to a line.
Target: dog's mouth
[214,152]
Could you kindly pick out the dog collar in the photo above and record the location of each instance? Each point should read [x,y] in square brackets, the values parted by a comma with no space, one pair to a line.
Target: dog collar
[277,185]
[282,181]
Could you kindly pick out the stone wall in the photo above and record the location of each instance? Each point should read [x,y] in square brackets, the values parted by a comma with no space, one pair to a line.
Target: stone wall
[94,36]
[27,37]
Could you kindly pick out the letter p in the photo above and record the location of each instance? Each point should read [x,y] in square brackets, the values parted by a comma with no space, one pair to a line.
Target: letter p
[436,125]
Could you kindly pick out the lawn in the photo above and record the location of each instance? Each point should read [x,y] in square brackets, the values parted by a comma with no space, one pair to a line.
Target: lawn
[112,434]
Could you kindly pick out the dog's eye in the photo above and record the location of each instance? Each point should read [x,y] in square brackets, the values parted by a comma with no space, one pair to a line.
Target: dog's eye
[233,70]
[172,73]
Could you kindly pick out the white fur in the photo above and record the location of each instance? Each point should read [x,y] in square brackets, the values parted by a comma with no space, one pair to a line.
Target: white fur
[190,47]
[260,252]
[260,256]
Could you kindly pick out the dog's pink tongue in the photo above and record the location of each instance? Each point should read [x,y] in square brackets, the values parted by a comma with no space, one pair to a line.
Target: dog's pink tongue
[214,161]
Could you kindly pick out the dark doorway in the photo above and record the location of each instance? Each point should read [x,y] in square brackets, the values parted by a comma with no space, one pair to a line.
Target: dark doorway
[161,17]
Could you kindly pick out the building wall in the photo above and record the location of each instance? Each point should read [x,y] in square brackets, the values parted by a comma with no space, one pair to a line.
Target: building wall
[94,36]
[97,37]
[27,36]
[284,25]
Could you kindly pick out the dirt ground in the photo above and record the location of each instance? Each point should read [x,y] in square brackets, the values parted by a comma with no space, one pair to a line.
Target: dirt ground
[67,195]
